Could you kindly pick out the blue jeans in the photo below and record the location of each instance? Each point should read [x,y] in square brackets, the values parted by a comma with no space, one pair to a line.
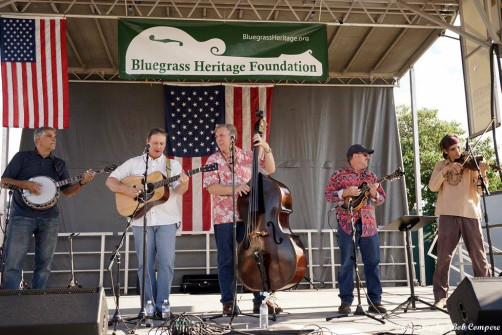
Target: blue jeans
[160,245]
[19,235]
[224,236]
[370,252]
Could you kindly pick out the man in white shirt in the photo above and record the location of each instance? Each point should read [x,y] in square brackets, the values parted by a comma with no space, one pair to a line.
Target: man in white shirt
[162,220]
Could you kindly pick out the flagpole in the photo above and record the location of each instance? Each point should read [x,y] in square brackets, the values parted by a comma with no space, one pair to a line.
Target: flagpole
[3,163]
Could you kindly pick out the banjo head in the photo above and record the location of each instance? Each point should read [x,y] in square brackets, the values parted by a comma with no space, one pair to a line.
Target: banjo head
[48,196]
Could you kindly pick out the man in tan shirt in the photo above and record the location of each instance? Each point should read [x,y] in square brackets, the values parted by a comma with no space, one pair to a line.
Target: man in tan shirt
[459,214]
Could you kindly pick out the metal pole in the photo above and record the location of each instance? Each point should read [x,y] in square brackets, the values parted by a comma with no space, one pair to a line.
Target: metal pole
[418,180]
[3,164]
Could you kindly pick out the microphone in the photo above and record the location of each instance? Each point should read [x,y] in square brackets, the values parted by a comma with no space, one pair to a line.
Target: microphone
[232,148]
[147,148]
[337,204]
[467,147]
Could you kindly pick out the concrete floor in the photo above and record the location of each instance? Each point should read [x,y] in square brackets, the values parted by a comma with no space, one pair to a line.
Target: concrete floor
[305,311]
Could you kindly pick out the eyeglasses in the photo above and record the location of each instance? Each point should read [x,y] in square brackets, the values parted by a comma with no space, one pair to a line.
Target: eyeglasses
[366,155]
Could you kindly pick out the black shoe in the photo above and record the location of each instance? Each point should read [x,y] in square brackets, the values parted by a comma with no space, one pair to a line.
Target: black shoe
[344,308]
[158,315]
[377,308]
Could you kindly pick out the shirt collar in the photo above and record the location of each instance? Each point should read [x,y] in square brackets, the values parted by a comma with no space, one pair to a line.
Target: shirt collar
[154,160]
[36,153]
[350,168]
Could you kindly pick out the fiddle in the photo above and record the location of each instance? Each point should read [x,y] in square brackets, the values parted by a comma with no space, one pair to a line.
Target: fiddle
[471,162]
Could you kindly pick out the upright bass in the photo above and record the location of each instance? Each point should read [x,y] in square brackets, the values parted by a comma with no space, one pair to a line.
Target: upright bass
[270,256]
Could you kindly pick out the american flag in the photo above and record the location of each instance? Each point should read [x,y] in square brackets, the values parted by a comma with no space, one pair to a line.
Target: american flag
[34,73]
[192,112]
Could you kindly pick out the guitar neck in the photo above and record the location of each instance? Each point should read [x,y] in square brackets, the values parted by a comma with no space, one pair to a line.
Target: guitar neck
[169,180]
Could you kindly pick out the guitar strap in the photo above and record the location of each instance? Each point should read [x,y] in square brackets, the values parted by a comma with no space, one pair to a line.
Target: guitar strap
[55,167]
[168,167]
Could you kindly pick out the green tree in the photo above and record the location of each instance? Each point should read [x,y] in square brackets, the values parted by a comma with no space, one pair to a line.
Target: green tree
[430,131]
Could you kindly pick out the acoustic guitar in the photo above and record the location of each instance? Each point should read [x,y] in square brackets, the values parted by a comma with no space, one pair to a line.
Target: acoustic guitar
[357,202]
[157,191]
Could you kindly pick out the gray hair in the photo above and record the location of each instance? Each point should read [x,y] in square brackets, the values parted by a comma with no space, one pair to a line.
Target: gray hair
[230,127]
[39,132]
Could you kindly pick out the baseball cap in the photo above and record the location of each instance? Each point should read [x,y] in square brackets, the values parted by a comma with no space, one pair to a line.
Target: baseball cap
[356,148]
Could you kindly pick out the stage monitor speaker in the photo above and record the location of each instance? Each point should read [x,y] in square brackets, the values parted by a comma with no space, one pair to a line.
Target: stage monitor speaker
[75,311]
[475,307]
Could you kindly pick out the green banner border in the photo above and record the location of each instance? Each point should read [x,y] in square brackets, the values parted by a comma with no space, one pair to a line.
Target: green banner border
[231,33]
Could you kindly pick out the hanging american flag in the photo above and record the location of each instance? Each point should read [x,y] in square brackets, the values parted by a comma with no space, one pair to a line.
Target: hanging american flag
[34,73]
[192,112]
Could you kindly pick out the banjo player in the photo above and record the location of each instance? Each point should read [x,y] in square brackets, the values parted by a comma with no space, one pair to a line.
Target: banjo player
[31,218]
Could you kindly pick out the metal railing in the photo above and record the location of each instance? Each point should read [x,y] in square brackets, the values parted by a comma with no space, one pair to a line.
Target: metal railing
[320,258]
[463,256]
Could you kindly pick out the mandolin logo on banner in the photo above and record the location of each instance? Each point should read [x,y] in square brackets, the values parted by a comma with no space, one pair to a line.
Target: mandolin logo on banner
[164,49]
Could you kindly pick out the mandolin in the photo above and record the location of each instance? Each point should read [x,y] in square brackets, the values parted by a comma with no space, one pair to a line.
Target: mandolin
[355,203]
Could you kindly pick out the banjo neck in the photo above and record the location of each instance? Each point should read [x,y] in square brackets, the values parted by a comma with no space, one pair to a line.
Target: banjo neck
[75,179]
[69,180]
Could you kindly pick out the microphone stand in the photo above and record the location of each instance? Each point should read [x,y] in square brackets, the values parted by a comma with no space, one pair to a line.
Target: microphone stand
[4,243]
[485,191]
[143,197]
[73,281]
[359,309]
[235,309]
[117,318]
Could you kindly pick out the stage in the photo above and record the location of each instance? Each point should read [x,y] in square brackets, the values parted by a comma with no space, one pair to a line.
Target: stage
[305,311]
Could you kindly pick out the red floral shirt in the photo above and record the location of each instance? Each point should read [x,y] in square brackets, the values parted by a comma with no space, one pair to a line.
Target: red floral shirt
[222,204]
[342,179]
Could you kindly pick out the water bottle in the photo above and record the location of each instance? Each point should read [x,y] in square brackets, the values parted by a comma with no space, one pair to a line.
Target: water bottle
[149,309]
[165,310]
[264,314]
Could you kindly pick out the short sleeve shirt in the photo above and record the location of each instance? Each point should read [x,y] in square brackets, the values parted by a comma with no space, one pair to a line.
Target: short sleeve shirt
[222,204]
[168,212]
[28,164]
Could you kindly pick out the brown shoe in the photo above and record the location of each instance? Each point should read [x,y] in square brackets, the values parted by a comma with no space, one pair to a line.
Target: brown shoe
[378,308]
[270,305]
[344,308]
[228,308]
[441,303]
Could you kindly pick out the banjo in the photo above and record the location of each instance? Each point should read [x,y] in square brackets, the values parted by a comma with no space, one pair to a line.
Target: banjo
[49,194]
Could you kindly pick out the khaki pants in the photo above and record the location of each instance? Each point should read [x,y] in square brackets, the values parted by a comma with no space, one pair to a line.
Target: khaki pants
[450,230]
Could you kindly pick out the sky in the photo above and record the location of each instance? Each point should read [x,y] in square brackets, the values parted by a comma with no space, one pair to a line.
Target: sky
[439,83]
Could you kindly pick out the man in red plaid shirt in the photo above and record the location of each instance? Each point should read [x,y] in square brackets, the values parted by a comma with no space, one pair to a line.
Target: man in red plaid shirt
[343,184]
